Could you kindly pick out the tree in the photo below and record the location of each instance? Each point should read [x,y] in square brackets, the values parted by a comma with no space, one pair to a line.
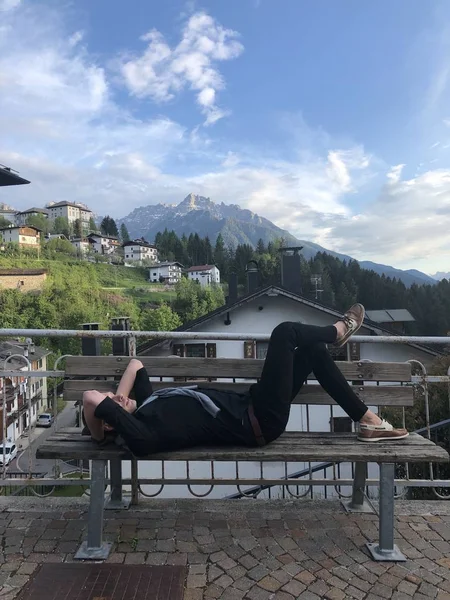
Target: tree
[61,225]
[40,222]
[61,246]
[77,229]
[108,227]
[92,224]
[4,222]
[124,235]
[162,318]
[260,247]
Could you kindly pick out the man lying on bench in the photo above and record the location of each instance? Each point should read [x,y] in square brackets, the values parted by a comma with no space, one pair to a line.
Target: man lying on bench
[175,418]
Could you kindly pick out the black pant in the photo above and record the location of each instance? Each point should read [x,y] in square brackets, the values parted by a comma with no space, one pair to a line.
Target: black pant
[296,350]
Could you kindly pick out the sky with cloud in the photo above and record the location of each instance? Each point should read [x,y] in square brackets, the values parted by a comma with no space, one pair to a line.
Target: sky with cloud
[331,119]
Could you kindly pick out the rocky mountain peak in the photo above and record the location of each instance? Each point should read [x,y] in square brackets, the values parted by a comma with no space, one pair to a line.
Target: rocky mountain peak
[194,202]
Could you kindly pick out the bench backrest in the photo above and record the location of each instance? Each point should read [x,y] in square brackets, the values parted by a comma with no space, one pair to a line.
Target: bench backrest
[376,383]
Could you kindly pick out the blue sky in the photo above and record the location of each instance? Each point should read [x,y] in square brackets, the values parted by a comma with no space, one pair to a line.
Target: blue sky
[329,118]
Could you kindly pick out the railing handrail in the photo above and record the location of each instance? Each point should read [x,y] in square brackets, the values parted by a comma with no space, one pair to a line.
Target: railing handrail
[206,335]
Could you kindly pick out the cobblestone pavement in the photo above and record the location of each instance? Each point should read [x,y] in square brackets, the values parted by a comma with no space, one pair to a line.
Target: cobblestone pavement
[241,550]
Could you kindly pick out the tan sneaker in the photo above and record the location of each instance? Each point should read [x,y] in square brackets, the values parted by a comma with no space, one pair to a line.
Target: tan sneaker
[378,433]
[353,320]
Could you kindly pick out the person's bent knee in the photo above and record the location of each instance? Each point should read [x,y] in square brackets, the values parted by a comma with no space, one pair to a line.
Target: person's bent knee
[283,329]
[319,349]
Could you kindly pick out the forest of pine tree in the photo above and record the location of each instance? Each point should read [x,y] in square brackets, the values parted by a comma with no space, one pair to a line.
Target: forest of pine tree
[342,283]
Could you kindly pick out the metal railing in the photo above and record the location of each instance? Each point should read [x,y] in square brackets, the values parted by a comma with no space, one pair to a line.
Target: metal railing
[301,480]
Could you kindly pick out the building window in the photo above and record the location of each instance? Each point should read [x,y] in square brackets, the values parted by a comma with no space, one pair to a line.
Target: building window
[249,349]
[261,349]
[195,350]
[338,354]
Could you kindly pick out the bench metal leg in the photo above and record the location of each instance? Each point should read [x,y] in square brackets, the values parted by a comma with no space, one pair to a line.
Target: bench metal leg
[386,549]
[359,503]
[116,500]
[134,483]
[95,548]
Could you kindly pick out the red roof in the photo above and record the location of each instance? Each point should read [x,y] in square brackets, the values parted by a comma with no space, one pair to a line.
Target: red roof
[201,268]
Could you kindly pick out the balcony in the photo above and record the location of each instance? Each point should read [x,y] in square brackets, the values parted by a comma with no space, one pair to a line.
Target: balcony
[270,545]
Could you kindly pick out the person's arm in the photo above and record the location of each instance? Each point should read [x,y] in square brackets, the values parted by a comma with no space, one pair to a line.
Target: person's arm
[139,438]
[128,378]
[91,400]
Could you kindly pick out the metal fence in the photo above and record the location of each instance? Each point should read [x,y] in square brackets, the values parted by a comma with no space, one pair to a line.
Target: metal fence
[324,479]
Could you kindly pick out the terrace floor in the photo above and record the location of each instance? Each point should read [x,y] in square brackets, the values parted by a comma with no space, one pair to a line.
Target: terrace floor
[235,550]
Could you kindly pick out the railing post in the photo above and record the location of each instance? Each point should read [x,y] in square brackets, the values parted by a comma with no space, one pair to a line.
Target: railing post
[123,347]
[386,550]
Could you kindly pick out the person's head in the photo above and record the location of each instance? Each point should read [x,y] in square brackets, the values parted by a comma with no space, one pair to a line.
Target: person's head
[126,403]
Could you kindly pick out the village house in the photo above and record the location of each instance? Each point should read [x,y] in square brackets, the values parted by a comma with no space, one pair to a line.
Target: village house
[71,212]
[23,396]
[24,280]
[103,244]
[137,251]
[204,274]
[166,272]
[27,236]
[21,218]
[8,212]
[82,245]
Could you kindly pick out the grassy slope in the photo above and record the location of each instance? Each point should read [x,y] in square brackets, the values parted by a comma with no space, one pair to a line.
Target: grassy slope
[124,280]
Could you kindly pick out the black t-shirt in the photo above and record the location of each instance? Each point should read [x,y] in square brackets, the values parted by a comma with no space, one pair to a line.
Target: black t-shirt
[178,422]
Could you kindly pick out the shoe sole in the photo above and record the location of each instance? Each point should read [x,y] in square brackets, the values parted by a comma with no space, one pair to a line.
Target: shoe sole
[382,439]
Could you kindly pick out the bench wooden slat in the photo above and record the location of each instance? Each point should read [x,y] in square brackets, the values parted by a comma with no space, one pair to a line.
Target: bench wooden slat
[314,394]
[172,366]
[297,438]
[337,448]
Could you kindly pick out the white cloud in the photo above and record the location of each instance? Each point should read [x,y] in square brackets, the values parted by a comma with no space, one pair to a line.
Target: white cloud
[395,173]
[162,72]
[407,225]
[9,4]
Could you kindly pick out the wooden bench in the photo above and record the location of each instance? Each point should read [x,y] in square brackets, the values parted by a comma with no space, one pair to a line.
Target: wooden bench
[393,388]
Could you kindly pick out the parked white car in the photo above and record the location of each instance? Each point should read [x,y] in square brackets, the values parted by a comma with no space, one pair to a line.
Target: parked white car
[10,452]
[45,420]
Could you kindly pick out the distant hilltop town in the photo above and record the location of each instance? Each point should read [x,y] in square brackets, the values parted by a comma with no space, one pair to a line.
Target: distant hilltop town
[73,224]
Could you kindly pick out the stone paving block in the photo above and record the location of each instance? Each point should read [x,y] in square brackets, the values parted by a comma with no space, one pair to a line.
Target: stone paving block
[294,587]
[407,588]
[156,558]
[280,595]
[258,572]
[257,593]
[224,581]
[213,591]
[305,577]
[244,583]
[196,581]
[232,594]
[335,594]
[193,594]
[352,592]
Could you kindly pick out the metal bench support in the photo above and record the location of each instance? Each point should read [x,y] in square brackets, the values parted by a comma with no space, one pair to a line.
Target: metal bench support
[359,503]
[385,549]
[116,501]
[95,548]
